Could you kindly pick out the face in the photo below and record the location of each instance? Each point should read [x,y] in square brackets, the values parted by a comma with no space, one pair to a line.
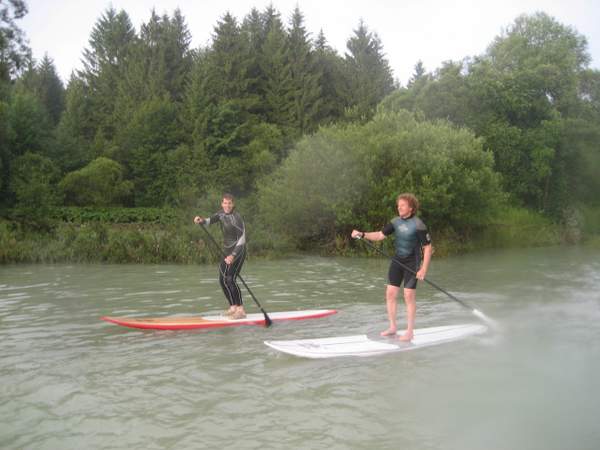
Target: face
[404,210]
[227,205]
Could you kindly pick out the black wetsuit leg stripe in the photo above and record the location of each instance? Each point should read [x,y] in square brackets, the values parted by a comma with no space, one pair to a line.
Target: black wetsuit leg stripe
[228,274]
[223,269]
[236,268]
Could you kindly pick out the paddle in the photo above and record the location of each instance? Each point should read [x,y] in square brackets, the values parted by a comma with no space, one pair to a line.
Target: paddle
[268,321]
[476,312]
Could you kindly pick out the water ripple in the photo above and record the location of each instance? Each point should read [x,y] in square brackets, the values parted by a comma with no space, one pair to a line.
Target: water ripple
[69,380]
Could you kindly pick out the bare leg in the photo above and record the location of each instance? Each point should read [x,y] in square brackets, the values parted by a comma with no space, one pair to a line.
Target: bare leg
[391,293]
[410,296]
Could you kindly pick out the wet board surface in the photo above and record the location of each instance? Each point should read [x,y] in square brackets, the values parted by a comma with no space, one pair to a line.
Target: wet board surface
[371,345]
[212,321]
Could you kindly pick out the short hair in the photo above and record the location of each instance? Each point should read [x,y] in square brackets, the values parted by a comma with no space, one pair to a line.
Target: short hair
[411,200]
[228,196]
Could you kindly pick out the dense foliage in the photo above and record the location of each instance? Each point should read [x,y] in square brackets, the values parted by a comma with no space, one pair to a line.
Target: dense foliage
[533,101]
[349,175]
[315,141]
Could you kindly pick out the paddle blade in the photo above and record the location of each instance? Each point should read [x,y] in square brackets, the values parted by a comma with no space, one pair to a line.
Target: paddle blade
[268,321]
[491,323]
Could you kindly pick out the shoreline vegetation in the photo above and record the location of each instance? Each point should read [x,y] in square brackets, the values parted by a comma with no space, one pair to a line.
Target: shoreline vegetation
[169,238]
[500,148]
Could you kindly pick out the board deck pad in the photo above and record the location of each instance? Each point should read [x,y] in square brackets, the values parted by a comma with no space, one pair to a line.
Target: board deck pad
[213,321]
[370,345]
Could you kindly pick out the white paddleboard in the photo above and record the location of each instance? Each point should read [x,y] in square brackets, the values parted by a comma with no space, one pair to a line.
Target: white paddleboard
[367,345]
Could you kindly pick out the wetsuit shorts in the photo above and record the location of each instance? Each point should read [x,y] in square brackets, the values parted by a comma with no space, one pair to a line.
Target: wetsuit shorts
[397,274]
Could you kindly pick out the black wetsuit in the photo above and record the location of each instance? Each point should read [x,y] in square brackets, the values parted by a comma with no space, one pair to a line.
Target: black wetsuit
[410,237]
[234,243]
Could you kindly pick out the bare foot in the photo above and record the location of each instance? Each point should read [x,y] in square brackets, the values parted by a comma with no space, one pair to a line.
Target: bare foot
[388,332]
[406,337]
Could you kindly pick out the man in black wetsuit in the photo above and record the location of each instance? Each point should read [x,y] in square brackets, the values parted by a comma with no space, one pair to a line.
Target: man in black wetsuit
[234,247]
[411,242]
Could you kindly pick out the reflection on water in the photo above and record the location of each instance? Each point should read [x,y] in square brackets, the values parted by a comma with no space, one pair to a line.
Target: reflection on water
[69,380]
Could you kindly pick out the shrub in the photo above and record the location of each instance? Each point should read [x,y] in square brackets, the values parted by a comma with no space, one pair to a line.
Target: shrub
[100,183]
[349,176]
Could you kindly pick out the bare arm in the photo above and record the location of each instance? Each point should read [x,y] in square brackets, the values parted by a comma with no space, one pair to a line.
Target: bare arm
[427,252]
[370,236]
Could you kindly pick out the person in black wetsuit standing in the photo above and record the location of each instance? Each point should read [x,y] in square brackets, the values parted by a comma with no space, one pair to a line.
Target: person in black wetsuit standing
[234,247]
[413,250]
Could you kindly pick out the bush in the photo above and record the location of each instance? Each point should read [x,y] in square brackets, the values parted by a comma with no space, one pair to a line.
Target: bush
[349,176]
[100,183]
[591,221]
[33,180]
[115,215]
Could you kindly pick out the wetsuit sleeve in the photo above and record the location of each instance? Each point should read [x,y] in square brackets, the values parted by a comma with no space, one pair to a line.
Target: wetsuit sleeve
[422,233]
[241,242]
[388,229]
[216,217]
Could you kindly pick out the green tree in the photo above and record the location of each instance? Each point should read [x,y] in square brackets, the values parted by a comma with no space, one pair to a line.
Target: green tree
[349,176]
[29,128]
[277,74]
[330,67]
[154,130]
[184,174]
[34,180]
[253,31]
[369,77]
[223,109]
[419,75]
[445,94]
[76,130]
[14,52]
[100,183]
[526,88]
[43,81]
[305,81]
[105,63]
[159,63]
[5,154]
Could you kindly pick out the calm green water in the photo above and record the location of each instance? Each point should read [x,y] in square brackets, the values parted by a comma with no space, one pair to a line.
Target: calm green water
[71,381]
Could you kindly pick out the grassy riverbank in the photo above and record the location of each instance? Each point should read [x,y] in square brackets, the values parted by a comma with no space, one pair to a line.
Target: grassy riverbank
[172,242]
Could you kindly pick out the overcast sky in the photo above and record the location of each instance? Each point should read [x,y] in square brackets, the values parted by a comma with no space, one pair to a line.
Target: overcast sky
[431,30]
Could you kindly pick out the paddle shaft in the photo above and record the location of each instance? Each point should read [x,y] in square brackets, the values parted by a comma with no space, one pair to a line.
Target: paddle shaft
[405,267]
[268,321]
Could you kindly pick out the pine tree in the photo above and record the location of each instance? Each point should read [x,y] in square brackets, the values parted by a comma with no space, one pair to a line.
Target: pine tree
[253,31]
[418,75]
[104,66]
[43,81]
[369,76]
[305,79]
[222,105]
[277,73]
[162,58]
[330,67]
[77,127]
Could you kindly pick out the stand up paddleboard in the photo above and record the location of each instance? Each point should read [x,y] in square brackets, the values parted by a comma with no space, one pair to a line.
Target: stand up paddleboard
[366,345]
[197,322]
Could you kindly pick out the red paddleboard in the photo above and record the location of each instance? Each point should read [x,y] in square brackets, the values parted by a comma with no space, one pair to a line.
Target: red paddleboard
[197,322]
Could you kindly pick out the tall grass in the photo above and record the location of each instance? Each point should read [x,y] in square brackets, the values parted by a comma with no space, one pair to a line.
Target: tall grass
[99,242]
[591,225]
[513,227]
[184,243]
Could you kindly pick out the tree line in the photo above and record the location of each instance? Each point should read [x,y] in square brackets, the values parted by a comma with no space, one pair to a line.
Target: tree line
[149,121]
[269,113]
